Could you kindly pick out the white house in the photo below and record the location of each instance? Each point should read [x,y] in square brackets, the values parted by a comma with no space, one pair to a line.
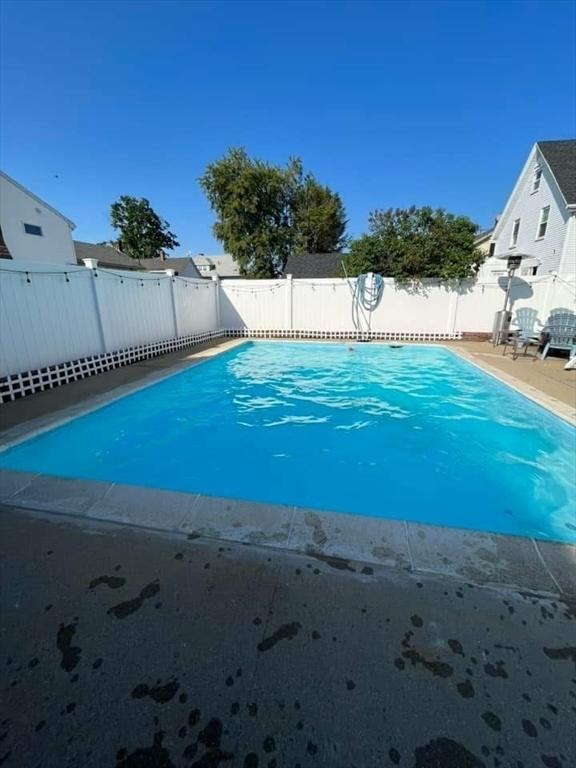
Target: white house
[30,229]
[539,219]
[222,265]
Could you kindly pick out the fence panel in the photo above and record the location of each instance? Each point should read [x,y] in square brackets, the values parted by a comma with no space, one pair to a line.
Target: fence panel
[46,318]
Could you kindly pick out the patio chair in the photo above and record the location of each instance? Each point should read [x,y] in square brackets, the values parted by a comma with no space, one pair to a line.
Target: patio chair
[525,334]
[560,332]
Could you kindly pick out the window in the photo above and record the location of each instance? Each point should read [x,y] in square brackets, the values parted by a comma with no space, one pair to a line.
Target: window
[536,179]
[543,225]
[515,231]
[33,229]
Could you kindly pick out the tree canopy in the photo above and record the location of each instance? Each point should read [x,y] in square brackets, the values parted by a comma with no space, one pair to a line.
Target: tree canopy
[143,234]
[416,243]
[267,212]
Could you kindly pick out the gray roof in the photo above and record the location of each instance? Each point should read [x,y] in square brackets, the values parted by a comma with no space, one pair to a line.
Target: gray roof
[314,265]
[485,235]
[561,157]
[111,257]
[223,264]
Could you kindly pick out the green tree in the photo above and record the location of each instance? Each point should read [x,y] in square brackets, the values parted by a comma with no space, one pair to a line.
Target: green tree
[266,212]
[319,218]
[416,243]
[142,233]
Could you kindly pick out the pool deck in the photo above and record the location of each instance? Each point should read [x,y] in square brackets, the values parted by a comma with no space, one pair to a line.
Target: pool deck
[131,648]
[151,628]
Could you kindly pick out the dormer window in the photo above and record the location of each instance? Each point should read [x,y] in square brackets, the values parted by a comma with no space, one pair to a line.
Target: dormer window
[536,179]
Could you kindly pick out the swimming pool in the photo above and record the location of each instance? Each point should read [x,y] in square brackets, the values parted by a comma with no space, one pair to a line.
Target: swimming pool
[412,433]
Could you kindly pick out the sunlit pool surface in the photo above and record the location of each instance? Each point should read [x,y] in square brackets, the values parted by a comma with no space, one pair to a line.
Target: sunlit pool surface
[411,433]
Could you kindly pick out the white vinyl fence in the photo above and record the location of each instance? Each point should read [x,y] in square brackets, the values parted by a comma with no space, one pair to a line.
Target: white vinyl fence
[52,316]
[431,309]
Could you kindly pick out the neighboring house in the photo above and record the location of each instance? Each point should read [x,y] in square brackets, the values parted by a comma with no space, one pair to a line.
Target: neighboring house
[222,266]
[109,257]
[30,229]
[540,216]
[484,242]
[310,265]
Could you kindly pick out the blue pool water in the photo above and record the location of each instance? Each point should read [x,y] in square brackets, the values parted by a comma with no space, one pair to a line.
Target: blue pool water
[413,433]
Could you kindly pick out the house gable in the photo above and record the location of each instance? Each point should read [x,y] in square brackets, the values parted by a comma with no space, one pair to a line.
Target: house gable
[525,204]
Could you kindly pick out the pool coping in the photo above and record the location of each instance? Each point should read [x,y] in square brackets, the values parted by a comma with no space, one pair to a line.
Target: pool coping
[544,568]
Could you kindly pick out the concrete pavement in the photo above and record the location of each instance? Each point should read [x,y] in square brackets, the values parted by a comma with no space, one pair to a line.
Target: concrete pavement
[124,647]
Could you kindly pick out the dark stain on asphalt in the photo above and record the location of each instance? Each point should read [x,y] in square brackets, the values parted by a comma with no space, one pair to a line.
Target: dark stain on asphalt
[159,693]
[194,717]
[438,668]
[466,689]
[394,756]
[70,653]
[269,744]
[97,664]
[492,721]
[251,760]
[339,563]
[445,752]
[155,756]
[561,654]
[316,635]
[285,632]
[114,582]
[122,610]
[529,728]
[456,647]
[311,748]
[550,761]
[367,571]
[211,737]
[416,621]
[496,670]
[350,685]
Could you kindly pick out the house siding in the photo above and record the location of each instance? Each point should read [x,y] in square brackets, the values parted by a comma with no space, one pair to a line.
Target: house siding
[54,246]
[526,206]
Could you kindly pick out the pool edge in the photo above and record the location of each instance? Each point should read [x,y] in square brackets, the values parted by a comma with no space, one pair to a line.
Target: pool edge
[484,559]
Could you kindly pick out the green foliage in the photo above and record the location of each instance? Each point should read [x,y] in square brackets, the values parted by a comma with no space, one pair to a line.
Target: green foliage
[266,212]
[416,243]
[319,218]
[143,234]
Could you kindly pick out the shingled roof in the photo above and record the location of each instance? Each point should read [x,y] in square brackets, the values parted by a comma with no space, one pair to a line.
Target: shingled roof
[561,157]
[313,265]
[112,258]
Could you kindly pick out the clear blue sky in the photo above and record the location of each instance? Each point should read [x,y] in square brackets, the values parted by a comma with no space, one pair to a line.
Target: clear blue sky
[389,103]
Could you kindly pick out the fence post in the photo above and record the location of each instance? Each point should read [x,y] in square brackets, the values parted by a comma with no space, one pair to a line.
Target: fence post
[289,301]
[92,265]
[172,274]
[216,284]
